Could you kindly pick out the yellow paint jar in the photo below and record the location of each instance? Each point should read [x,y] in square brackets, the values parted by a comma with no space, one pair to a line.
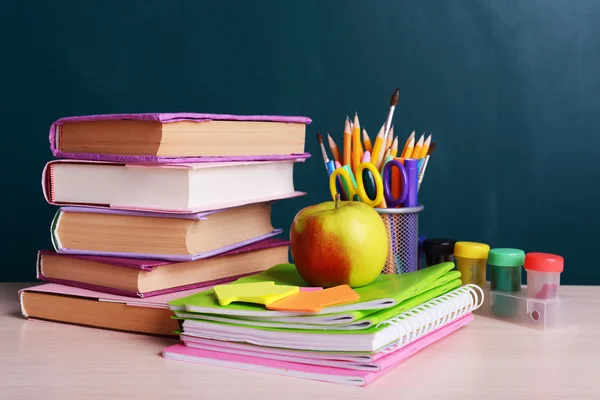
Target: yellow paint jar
[471,261]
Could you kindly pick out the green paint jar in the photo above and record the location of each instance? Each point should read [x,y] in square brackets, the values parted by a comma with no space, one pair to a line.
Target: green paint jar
[505,276]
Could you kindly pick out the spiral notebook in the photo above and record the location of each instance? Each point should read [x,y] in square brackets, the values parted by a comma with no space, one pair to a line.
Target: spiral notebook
[316,369]
[402,328]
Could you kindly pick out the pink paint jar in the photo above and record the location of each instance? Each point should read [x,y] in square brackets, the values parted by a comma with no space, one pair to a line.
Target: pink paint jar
[543,275]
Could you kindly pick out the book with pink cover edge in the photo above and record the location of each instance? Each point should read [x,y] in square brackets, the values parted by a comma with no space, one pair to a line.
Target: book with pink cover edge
[355,361]
[305,370]
[167,118]
[46,188]
[147,265]
[168,257]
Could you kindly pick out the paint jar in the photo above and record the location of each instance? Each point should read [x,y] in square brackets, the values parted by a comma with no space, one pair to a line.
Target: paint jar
[421,262]
[505,276]
[505,269]
[438,251]
[471,258]
[543,275]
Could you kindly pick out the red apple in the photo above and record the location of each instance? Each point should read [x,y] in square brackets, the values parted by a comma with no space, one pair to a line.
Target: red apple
[335,244]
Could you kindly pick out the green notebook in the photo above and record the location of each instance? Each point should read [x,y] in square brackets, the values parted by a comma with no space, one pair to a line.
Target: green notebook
[303,323]
[386,291]
[393,326]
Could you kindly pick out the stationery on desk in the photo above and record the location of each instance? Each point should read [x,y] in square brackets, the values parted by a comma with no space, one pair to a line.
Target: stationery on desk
[377,174]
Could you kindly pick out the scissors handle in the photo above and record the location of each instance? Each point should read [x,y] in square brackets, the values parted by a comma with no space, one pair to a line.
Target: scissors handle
[360,184]
[345,177]
[387,183]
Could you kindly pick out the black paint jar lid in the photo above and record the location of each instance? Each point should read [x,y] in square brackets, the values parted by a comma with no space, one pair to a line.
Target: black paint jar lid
[439,246]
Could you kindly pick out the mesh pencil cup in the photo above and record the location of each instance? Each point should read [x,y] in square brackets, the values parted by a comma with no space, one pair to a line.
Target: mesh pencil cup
[402,226]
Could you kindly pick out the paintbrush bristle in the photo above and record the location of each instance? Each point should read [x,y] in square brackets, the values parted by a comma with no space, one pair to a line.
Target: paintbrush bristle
[395,97]
[431,149]
[319,138]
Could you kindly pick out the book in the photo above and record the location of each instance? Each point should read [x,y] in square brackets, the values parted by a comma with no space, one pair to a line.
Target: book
[386,291]
[159,236]
[180,188]
[364,321]
[400,329]
[315,369]
[146,278]
[75,306]
[178,137]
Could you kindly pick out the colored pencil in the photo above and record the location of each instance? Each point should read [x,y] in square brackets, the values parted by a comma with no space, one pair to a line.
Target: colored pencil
[347,143]
[411,136]
[335,151]
[356,144]
[425,147]
[377,147]
[367,141]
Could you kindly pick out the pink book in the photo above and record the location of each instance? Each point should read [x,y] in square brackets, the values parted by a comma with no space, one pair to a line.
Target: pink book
[173,188]
[291,129]
[306,369]
[273,251]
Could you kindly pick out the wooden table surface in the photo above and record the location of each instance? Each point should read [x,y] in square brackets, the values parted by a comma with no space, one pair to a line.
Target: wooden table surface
[488,359]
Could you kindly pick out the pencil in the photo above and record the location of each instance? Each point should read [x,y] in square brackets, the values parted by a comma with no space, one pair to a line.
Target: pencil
[394,149]
[411,136]
[367,141]
[425,147]
[377,147]
[409,148]
[424,166]
[417,150]
[356,145]
[334,149]
[390,138]
[347,143]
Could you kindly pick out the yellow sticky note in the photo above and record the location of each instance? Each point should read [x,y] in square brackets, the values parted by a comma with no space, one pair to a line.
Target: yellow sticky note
[255,292]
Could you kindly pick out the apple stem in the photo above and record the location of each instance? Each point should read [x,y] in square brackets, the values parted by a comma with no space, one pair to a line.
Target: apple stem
[337,200]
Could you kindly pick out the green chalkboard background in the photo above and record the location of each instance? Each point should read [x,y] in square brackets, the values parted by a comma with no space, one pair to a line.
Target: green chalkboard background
[509,88]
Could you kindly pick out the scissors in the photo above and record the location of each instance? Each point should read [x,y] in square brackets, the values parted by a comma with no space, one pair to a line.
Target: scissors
[382,183]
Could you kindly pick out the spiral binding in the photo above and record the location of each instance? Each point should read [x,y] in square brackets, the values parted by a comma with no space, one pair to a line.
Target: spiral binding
[421,320]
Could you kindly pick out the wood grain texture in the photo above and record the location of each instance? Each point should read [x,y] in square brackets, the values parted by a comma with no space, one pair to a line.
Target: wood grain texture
[488,359]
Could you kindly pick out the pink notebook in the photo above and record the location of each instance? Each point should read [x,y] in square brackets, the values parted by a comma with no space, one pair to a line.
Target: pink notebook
[149,265]
[166,118]
[305,369]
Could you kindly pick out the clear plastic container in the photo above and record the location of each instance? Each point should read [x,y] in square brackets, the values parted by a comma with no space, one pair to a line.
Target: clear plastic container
[505,276]
[543,275]
[471,261]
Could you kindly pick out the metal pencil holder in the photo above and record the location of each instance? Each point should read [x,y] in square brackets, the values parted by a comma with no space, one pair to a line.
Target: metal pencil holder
[402,226]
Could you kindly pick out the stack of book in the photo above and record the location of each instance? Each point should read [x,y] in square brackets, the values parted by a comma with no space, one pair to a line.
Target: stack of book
[312,334]
[159,206]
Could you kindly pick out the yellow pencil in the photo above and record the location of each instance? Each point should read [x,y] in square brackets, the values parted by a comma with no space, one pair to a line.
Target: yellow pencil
[356,145]
[377,147]
[390,138]
[334,149]
[425,147]
[367,141]
[417,150]
[394,149]
[347,143]
[409,148]
[411,136]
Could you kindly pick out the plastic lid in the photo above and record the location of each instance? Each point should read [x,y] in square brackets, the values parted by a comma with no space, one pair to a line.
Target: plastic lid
[506,257]
[439,246]
[471,250]
[544,262]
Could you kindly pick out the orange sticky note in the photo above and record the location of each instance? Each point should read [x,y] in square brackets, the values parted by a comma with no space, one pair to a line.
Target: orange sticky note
[315,301]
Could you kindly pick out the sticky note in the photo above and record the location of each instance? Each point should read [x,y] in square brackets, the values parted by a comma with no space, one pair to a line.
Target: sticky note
[314,301]
[255,292]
